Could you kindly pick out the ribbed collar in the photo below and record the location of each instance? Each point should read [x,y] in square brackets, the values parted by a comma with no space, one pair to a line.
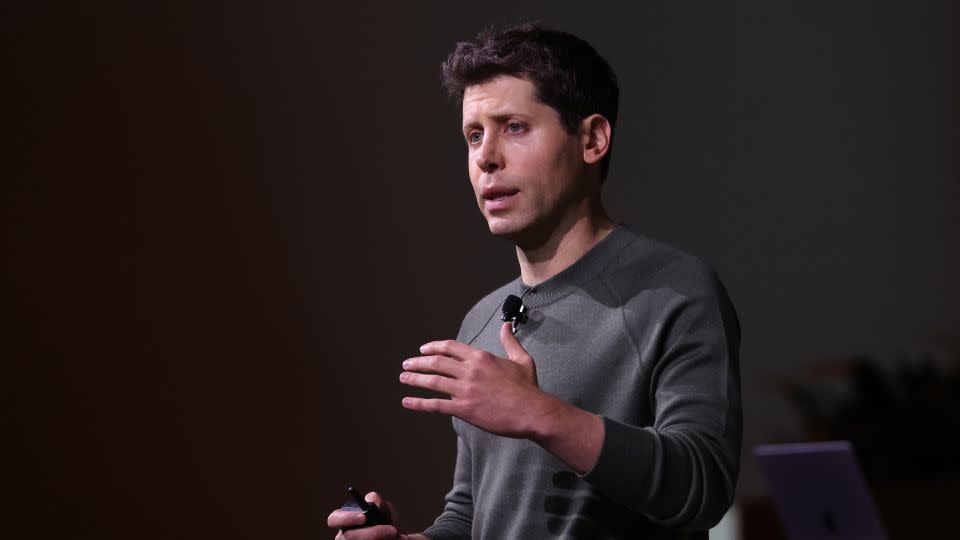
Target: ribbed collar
[586,268]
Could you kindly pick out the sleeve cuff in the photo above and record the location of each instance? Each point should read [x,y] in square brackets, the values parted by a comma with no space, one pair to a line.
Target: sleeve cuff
[622,471]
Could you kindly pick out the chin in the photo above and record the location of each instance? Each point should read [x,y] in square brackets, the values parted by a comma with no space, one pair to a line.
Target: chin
[501,227]
[498,228]
[510,229]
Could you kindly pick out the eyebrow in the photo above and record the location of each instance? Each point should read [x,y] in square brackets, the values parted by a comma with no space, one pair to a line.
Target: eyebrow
[499,118]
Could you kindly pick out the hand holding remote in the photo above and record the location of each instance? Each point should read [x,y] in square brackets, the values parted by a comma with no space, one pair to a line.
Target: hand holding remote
[371,512]
[367,518]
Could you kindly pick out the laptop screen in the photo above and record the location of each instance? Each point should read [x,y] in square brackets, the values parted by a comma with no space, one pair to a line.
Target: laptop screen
[819,491]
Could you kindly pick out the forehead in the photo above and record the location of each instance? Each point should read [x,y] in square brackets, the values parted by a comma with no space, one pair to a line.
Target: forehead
[501,96]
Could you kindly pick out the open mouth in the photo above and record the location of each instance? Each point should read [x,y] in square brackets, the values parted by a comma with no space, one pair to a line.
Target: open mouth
[500,195]
[499,200]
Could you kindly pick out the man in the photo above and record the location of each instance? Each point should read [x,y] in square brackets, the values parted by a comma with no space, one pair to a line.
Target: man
[614,411]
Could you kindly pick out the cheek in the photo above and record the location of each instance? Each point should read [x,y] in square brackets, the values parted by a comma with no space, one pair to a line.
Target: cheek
[552,167]
[537,161]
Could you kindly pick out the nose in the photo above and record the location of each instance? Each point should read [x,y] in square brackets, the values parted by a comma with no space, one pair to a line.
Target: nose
[489,158]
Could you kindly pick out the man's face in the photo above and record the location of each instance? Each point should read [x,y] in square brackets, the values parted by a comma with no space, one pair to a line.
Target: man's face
[524,166]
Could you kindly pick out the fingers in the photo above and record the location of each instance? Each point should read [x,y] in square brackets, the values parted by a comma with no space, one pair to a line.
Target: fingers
[449,347]
[442,406]
[442,365]
[341,518]
[437,383]
[377,532]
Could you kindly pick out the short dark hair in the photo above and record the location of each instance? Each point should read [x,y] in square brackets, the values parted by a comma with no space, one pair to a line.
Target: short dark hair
[568,74]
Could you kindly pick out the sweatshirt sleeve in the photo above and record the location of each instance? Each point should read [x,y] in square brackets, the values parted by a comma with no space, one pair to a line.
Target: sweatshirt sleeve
[456,521]
[681,471]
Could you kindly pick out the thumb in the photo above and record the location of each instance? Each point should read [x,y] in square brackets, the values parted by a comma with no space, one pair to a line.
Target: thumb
[514,349]
[374,497]
[516,353]
[384,505]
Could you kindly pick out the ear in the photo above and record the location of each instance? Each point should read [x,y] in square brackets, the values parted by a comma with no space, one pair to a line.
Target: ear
[595,137]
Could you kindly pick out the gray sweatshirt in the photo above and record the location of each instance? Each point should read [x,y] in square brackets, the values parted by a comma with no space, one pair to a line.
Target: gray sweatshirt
[644,336]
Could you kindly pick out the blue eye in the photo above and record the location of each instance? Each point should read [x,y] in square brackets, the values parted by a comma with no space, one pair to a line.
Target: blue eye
[515,127]
[473,137]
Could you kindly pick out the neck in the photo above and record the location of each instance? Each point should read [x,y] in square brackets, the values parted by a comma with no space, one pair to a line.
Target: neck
[568,240]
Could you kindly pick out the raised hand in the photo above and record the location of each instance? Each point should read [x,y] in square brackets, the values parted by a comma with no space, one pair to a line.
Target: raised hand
[498,395]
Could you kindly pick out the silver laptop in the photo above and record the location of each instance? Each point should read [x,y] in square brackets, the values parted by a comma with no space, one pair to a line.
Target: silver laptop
[819,491]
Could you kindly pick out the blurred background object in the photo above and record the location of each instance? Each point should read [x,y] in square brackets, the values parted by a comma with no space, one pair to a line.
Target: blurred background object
[902,416]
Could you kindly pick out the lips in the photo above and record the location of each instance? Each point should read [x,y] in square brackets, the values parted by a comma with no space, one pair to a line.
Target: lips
[498,198]
[495,193]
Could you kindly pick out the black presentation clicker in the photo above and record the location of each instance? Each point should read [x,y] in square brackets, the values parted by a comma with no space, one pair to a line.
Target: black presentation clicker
[369,509]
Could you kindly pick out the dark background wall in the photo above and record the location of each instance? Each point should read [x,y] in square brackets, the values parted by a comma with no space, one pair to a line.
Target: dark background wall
[225,226]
